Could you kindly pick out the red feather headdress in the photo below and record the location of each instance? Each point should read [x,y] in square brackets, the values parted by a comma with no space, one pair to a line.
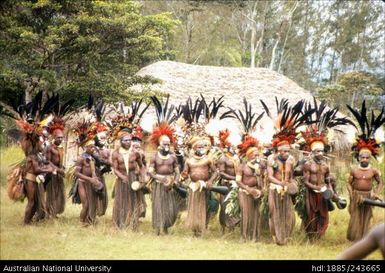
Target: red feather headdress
[368,129]
[312,135]
[56,124]
[165,116]
[288,120]
[137,133]
[85,132]
[319,123]
[247,143]
[223,138]
[162,130]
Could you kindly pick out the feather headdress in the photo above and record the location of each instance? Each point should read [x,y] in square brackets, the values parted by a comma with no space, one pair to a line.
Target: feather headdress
[366,139]
[59,112]
[289,118]
[223,138]
[32,120]
[249,121]
[126,120]
[318,124]
[91,123]
[85,132]
[165,117]
[248,145]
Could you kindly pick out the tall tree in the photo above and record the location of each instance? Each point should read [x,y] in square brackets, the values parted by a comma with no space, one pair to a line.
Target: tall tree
[352,88]
[312,42]
[78,47]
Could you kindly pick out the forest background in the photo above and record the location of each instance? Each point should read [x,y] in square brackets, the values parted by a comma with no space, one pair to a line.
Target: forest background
[332,48]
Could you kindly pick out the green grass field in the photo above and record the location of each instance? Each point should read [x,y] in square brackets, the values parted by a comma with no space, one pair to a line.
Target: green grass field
[63,238]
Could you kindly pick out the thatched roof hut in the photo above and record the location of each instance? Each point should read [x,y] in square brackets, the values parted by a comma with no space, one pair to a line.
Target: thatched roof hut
[182,80]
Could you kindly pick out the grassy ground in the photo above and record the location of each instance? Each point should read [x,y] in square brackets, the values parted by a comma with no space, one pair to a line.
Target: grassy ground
[63,238]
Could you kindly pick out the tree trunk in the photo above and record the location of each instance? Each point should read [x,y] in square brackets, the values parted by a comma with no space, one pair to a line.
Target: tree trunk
[331,77]
[262,36]
[189,27]
[253,34]
[361,42]
[252,50]
[287,35]
[28,96]
[283,48]
[29,85]
[241,30]
[273,53]
[354,95]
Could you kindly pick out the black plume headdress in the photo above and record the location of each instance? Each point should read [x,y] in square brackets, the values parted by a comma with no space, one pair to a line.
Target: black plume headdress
[288,120]
[366,139]
[248,119]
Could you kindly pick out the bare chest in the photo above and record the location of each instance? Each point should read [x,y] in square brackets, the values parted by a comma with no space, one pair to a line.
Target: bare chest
[164,161]
[282,170]
[360,174]
[251,170]
[318,168]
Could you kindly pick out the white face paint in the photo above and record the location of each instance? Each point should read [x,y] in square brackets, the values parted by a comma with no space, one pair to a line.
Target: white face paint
[164,145]
[102,137]
[200,149]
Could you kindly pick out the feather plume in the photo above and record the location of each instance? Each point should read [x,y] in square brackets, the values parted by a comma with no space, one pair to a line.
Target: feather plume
[247,143]
[366,137]
[320,122]
[289,118]
[223,138]
[164,112]
[162,129]
[248,119]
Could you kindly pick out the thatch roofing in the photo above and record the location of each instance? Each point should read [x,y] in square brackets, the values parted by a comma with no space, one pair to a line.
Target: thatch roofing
[181,80]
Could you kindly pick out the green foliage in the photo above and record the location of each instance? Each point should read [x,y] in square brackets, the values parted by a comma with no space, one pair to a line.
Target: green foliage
[333,94]
[265,208]
[78,48]
[315,40]
[300,200]
[360,82]
[352,88]
[233,208]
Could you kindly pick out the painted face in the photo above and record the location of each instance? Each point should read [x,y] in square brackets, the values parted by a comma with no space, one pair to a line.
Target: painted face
[253,156]
[364,159]
[58,137]
[165,144]
[136,145]
[207,144]
[126,142]
[318,154]
[200,149]
[283,153]
[101,138]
